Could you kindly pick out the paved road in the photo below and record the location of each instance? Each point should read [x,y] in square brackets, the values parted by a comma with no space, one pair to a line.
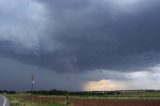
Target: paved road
[3,101]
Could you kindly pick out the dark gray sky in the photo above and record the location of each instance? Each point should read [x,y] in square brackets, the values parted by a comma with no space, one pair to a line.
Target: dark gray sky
[80,44]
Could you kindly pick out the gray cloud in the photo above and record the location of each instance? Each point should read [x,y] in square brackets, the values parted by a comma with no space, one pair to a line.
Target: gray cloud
[17,76]
[84,35]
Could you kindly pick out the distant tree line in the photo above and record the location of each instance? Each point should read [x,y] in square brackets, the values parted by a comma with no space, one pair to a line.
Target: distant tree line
[89,93]
[7,92]
[51,92]
[61,92]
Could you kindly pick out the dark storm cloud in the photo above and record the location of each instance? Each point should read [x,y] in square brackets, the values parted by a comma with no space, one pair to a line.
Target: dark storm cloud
[17,76]
[92,35]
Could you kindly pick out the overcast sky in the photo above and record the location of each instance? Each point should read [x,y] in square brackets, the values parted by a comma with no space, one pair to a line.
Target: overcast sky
[80,44]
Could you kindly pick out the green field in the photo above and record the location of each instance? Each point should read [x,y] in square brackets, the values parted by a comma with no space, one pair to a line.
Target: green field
[18,100]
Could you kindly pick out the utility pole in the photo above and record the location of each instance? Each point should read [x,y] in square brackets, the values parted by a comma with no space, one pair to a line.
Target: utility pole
[32,82]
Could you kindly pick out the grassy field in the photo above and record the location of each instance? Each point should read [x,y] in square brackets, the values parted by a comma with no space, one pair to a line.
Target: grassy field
[21,100]
[24,99]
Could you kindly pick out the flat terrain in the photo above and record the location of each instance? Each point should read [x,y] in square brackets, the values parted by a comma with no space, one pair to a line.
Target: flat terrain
[26,100]
[97,102]
[127,99]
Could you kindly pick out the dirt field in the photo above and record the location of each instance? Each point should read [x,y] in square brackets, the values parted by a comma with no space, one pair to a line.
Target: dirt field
[97,102]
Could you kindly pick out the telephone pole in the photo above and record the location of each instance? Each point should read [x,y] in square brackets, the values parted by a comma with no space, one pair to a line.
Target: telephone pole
[33,81]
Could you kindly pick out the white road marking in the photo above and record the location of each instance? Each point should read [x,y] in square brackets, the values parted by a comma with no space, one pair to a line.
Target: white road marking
[4,104]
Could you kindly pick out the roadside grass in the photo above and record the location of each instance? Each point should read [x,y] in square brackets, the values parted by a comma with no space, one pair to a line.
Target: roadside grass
[18,100]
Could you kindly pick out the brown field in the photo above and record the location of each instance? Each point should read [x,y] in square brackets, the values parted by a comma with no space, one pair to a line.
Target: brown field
[95,102]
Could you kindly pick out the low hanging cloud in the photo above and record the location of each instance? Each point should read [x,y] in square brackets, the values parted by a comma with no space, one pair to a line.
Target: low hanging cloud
[109,80]
[82,35]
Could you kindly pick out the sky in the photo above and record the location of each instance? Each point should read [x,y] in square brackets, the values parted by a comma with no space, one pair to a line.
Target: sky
[80,45]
